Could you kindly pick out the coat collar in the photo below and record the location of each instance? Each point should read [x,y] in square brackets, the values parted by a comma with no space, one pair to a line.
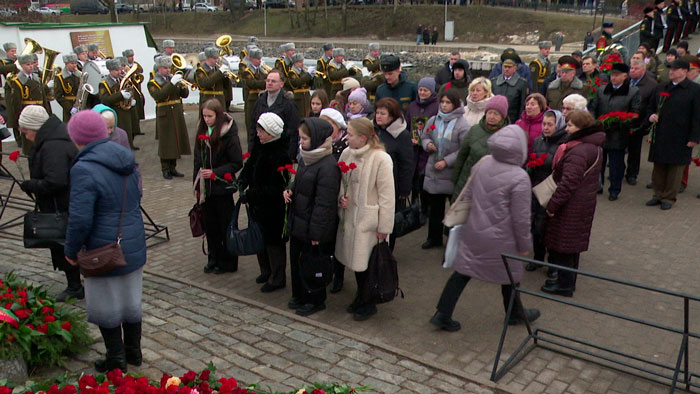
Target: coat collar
[623,90]
[512,81]
[585,132]
[576,84]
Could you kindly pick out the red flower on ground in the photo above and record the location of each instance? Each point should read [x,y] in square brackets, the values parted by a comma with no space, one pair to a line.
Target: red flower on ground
[43,328]
[47,310]
[10,338]
[66,326]
[14,156]
[205,374]
[49,319]
[23,313]
[228,177]
[164,379]
[30,326]
[318,391]
[87,381]
[115,376]
[188,377]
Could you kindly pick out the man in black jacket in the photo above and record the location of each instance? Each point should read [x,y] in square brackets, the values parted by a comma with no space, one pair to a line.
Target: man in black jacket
[646,85]
[444,74]
[274,99]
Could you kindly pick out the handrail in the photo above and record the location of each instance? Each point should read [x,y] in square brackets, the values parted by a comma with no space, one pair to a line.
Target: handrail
[619,36]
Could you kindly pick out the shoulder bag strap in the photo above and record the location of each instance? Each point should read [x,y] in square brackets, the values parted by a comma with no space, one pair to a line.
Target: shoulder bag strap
[594,163]
[121,217]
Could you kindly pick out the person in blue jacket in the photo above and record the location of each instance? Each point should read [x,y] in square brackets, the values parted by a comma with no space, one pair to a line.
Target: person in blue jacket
[104,206]
[523,70]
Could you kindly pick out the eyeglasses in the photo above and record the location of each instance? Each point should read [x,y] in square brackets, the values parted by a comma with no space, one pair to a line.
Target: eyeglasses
[567,108]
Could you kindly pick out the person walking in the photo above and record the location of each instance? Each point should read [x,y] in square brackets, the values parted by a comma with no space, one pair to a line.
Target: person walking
[366,208]
[419,34]
[105,207]
[499,222]
[313,210]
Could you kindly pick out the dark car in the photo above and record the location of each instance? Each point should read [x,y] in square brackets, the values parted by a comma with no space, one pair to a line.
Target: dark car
[124,8]
[87,7]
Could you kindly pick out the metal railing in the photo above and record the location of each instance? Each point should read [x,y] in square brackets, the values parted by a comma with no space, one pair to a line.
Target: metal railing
[543,338]
[629,38]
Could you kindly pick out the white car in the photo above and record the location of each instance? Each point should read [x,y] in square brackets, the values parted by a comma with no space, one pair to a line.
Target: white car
[47,11]
[7,12]
[201,7]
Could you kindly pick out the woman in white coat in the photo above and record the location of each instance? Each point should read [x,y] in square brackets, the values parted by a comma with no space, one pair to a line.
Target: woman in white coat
[366,207]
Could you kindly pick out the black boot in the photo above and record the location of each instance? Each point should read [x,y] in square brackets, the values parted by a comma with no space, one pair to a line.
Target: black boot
[445,322]
[338,274]
[132,343]
[115,356]
[211,264]
[75,287]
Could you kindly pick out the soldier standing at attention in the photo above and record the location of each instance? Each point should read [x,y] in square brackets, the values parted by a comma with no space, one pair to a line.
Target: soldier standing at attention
[171,129]
[118,100]
[376,78]
[65,87]
[541,66]
[168,49]
[606,37]
[337,71]
[7,65]
[209,78]
[252,76]
[300,81]
[284,63]
[322,66]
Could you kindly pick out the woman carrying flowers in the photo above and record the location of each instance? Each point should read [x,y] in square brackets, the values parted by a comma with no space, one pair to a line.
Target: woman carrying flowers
[217,157]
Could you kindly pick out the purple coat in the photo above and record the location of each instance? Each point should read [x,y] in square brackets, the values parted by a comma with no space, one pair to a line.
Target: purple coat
[499,220]
[425,110]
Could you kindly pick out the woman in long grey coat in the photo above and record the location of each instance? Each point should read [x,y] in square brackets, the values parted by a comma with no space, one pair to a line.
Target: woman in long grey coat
[499,222]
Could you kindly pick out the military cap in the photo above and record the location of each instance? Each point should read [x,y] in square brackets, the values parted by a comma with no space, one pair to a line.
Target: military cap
[607,24]
[693,61]
[509,62]
[510,53]
[374,46]
[298,57]
[577,53]
[679,63]
[544,44]
[648,9]
[114,64]
[211,52]
[327,46]
[9,45]
[255,53]
[287,47]
[128,52]
[69,58]
[620,68]
[657,2]
[252,40]
[93,47]
[568,63]
[389,62]
[201,56]
[168,44]
[338,52]
[163,61]
[27,58]
[80,49]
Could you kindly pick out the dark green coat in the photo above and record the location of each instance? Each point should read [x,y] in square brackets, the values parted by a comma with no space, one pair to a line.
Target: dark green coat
[557,92]
[321,67]
[65,89]
[336,73]
[171,129]
[253,84]
[300,83]
[23,92]
[210,82]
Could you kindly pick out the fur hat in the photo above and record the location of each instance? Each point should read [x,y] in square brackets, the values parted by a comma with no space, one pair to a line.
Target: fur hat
[163,61]
[9,45]
[33,117]
[374,46]
[544,44]
[287,47]
[349,83]
[498,103]
[272,124]
[113,64]
[256,53]
[428,83]
[79,49]
[338,52]
[26,58]
[201,56]
[122,60]
[93,47]
[211,52]
[252,40]
[327,46]
[168,44]
[389,62]
[297,57]
[87,126]
[359,95]
[620,68]
[69,58]
[128,52]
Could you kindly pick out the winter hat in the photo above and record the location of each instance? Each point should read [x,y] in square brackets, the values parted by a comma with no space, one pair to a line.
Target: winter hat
[33,117]
[297,57]
[359,95]
[87,126]
[349,83]
[498,103]
[79,49]
[25,59]
[9,45]
[128,52]
[334,115]
[272,124]
[428,83]
[113,64]
[93,47]
[168,43]
[70,58]
[163,61]
[100,108]
[255,53]
[211,52]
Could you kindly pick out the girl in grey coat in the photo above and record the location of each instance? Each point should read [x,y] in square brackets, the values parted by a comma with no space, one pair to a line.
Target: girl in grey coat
[441,138]
[499,222]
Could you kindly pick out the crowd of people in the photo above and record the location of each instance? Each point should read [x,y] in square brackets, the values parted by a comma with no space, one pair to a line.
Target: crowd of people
[361,149]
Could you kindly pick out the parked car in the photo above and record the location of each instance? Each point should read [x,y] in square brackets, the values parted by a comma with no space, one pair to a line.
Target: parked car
[47,11]
[78,7]
[7,12]
[124,8]
[202,7]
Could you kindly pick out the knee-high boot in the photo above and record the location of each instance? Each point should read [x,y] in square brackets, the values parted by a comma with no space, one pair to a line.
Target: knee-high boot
[132,343]
[115,356]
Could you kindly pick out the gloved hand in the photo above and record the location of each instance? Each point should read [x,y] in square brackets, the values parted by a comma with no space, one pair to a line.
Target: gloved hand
[224,68]
[133,102]
[50,84]
[25,187]
[176,79]
[74,111]
[126,95]
[188,67]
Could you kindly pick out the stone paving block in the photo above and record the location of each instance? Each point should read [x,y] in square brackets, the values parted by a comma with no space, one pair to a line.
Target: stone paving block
[270,347]
[246,350]
[414,366]
[546,377]
[270,374]
[277,362]
[449,379]
[380,386]
[388,377]
[193,365]
[535,388]
[325,344]
[556,387]
[300,336]
[246,337]
[441,385]
[149,355]
[385,366]
[294,382]
[239,361]
[354,344]
[390,358]
[188,335]
[300,371]
[243,376]
[354,365]
[344,375]
[417,387]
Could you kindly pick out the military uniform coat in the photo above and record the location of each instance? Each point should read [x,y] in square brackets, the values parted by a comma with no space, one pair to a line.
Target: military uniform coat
[24,91]
[322,67]
[65,90]
[253,82]
[7,66]
[557,92]
[540,68]
[111,96]
[515,89]
[300,81]
[336,73]
[284,65]
[210,81]
[171,130]
[376,78]
[140,99]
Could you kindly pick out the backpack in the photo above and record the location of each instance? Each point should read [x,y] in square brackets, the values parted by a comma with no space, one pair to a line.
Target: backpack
[382,283]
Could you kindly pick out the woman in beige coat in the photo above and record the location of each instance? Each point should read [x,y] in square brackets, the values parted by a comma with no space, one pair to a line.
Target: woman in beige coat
[366,205]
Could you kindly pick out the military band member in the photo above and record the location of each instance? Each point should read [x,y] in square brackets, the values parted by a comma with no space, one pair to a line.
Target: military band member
[81,52]
[111,96]
[284,63]
[252,77]
[25,88]
[171,130]
[605,38]
[252,42]
[300,81]
[66,84]
[128,54]
[376,78]
[337,71]
[209,78]
[541,66]
[7,65]
[168,49]
[322,66]
[93,52]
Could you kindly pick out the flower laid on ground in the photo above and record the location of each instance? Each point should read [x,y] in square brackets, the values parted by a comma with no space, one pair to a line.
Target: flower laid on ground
[287,171]
[14,156]
[34,328]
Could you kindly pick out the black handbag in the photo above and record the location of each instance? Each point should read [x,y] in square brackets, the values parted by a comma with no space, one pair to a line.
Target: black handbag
[244,242]
[316,268]
[408,219]
[44,229]
[382,281]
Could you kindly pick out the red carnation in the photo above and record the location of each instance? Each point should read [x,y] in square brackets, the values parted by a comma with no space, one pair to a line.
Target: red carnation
[30,326]
[341,164]
[531,164]
[10,338]
[49,319]
[432,127]
[164,379]
[533,156]
[289,166]
[212,176]
[292,171]
[228,177]
[14,156]
[188,377]
[23,313]
[43,328]
[539,161]
[665,94]
[205,374]
[280,169]
[352,166]
[66,326]
[8,305]
[318,391]
[47,310]
[115,376]
[245,155]
[544,156]
[22,293]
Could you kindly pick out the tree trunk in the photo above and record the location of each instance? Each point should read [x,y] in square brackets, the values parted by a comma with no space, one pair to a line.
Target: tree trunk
[112,12]
[345,15]
[306,15]
[325,10]
[393,13]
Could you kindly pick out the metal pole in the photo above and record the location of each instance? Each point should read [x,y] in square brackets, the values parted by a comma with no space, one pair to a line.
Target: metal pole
[265,16]
[445,11]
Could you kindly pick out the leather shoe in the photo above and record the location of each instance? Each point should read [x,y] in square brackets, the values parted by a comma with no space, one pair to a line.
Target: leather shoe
[552,273]
[337,284]
[650,185]
[364,312]
[211,264]
[310,309]
[653,202]
[665,205]
[531,267]
[558,290]
[174,172]
[135,148]
[268,288]
[262,279]
[530,314]
[167,175]
[445,322]
[430,244]
[218,270]
[612,197]
[78,294]
[632,180]
[550,282]
[295,303]
[600,189]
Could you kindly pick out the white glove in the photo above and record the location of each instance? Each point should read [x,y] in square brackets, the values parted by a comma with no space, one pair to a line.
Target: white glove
[133,102]
[50,84]
[188,67]
[74,111]
[176,79]
[126,95]
[224,68]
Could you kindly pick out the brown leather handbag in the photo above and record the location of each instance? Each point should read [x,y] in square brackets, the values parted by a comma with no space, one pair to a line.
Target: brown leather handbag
[106,258]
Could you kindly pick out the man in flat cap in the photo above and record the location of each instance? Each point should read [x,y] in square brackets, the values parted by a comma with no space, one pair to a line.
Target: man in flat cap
[300,80]
[566,84]
[396,84]
[523,70]
[337,71]
[210,78]
[376,78]
[322,67]
[513,87]
[617,96]
[93,52]
[541,66]
[284,63]
[606,37]
[171,129]
[252,76]
[140,114]
[111,96]
[65,87]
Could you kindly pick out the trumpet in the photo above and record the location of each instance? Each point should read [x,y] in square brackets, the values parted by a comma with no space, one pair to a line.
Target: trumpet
[179,68]
[320,74]
[229,74]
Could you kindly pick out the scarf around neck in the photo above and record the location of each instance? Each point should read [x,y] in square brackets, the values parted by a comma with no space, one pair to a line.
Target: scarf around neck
[312,156]
[444,123]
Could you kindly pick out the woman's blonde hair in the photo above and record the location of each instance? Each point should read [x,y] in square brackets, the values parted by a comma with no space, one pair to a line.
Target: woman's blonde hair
[364,127]
[485,83]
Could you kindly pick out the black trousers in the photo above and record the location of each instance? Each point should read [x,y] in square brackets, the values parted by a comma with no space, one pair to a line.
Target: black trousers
[634,154]
[168,164]
[399,205]
[616,157]
[216,215]
[456,284]
[538,247]
[436,208]
[299,291]
[361,278]
[566,279]
[273,262]
[668,38]
[72,272]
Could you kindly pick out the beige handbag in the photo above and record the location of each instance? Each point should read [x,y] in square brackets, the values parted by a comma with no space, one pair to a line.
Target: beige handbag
[458,213]
[544,190]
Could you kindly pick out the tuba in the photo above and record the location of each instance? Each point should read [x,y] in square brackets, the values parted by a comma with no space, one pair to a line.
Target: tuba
[49,70]
[84,89]
[223,42]
[128,85]
[30,47]
[179,68]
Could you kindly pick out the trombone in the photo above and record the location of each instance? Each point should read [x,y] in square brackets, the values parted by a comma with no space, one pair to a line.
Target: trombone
[179,68]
